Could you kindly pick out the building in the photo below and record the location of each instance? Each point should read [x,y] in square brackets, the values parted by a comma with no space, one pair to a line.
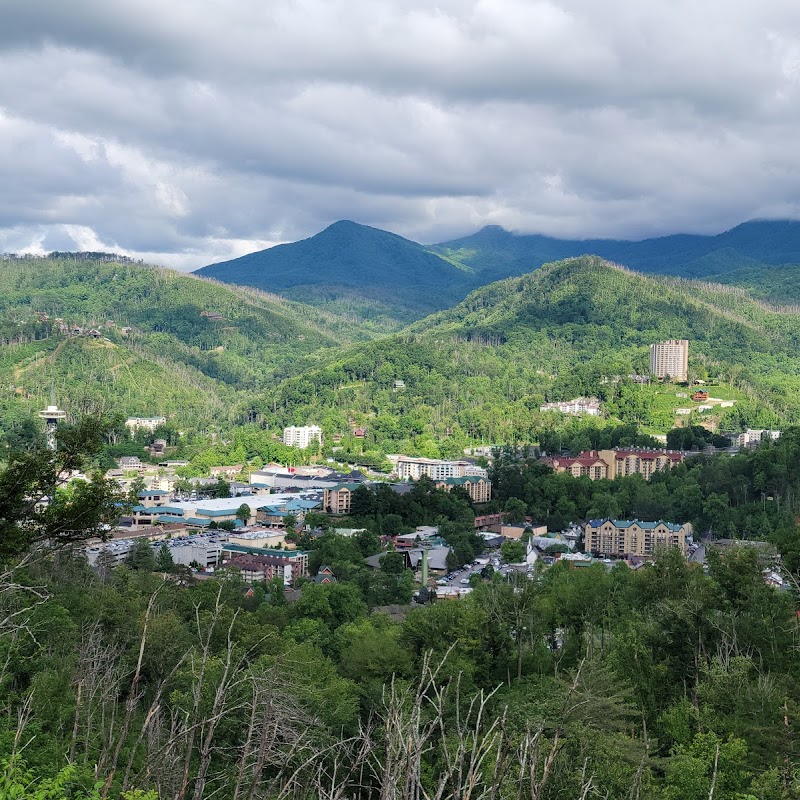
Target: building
[262,568]
[288,564]
[302,436]
[516,532]
[587,464]
[201,549]
[424,534]
[609,464]
[225,472]
[149,424]
[413,468]
[325,576]
[580,406]
[130,463]
[337,499]
[608,537]
[753,437]
[670,359]
[479,489]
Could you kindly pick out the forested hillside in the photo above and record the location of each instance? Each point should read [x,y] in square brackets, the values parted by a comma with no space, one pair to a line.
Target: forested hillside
[582,326]
[146,341]
[776,284]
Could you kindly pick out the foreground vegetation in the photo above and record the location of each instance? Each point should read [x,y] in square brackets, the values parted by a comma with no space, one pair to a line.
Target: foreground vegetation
[658,684]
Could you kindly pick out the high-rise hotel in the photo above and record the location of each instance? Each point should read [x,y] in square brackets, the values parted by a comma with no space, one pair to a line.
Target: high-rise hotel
[670,359]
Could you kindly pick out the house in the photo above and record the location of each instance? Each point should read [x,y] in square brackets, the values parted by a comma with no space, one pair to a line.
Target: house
[325,576]
[158,447]
[700,395]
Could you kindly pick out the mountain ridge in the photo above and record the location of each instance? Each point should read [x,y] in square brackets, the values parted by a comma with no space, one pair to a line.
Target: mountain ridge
[392,281]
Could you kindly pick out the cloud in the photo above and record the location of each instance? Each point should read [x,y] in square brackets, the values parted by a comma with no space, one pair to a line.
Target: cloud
[193,131]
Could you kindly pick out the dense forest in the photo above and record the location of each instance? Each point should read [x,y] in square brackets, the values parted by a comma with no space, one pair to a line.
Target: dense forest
[165,343]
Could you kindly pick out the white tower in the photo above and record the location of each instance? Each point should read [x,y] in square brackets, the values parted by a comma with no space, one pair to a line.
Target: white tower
[52,415]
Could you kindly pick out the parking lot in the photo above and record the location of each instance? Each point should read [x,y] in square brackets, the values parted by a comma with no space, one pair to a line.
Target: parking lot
[461,577]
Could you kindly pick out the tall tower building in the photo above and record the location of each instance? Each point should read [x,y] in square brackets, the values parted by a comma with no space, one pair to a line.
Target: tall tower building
[670,359]
[52,415]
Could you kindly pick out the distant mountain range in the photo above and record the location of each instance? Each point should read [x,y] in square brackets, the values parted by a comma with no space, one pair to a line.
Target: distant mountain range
[388,280]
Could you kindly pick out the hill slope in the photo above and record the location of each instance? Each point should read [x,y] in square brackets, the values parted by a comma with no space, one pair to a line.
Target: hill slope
[480,370]
[352,268]
[165,343]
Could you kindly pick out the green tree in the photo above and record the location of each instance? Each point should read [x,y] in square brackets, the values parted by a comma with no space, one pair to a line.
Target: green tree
[243,513]
[512,551]
[221,488]
[164,560]
[140,557]
[35,511]
[514,510]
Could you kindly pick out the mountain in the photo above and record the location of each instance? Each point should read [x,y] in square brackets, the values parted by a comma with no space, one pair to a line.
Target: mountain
[162,342]
[352,269]
[581,326]
[388,281]
[495,253]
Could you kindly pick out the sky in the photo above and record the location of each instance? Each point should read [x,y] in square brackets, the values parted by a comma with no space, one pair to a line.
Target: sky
[189,132]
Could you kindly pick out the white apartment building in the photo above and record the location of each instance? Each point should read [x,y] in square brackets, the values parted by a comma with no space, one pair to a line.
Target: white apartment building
[302,436]
[580,406]
[134,424]
[670,359]
[410,467]
[753,437]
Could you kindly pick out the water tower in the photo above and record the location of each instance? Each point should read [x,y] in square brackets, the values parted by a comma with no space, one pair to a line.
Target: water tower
[52,415]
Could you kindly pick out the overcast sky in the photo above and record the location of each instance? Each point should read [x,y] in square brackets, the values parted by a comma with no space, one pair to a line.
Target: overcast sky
[190,131]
